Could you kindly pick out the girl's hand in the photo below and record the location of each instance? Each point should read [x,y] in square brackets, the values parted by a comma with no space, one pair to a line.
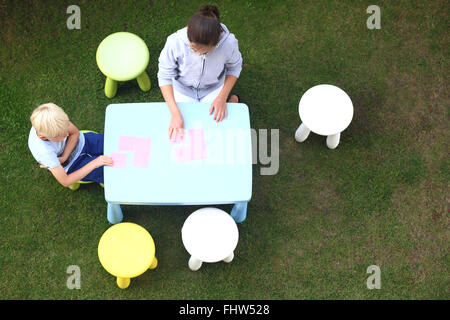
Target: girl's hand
[176,127]
[103,161]
[219,105]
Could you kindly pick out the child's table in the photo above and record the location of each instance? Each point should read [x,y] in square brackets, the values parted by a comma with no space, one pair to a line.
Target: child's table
[212,165]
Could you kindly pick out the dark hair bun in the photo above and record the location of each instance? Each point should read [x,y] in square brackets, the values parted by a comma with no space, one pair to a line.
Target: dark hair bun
[210,11]
[204,27]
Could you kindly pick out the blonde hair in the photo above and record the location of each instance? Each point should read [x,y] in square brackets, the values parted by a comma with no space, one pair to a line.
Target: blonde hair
[50,120]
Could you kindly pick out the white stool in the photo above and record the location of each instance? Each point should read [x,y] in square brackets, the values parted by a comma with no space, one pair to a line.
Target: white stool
[209,235]
[325,110]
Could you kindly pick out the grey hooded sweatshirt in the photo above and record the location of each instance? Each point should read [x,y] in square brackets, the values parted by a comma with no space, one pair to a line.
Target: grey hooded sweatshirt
[197,76]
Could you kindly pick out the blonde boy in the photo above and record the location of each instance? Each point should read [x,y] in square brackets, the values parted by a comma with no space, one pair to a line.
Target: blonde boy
[58,145]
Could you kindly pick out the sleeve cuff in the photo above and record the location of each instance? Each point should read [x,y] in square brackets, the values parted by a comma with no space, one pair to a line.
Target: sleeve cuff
[164,82]
[235,73]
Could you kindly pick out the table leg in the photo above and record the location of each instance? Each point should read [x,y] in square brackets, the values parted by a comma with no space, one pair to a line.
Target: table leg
[229,258]
[123,283]
[110,87]
[333,140]
[194,264]
[239,211]
[114,213]
[302,133]
[144,81]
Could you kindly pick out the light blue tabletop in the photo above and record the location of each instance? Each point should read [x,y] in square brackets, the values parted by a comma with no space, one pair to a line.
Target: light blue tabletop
[222,175]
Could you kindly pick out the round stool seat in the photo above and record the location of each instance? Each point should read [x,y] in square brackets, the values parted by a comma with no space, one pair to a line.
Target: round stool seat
[209,235]
[326,109]
[122,56]
[126,250]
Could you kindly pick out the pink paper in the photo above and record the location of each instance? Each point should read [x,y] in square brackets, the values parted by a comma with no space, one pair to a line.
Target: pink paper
[140,147]
[141,152]
[198,145]
[195,149]
[177,139]
[119,160]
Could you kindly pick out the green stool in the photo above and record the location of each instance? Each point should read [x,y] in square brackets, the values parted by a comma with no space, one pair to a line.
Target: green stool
[123,56]
[75,186]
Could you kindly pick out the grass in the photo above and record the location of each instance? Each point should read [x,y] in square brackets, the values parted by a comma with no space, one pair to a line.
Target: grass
[380,198]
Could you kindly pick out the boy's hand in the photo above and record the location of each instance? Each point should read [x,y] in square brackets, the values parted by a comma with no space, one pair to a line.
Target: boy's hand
[43,166]
[103,161]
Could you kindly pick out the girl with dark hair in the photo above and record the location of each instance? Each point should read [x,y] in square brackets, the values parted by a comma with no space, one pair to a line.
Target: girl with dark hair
[200,62]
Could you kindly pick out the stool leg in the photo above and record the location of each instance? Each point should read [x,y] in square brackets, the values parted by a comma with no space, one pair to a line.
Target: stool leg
[194,264]
[302,133]
[74,186]
[144,81]
[123,283]
[333,140]
[110,87]
[229,258]
[154,263]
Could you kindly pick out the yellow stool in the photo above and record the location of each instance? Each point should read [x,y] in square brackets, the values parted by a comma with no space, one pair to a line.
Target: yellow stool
[126,250]
[75,186]
[123,56]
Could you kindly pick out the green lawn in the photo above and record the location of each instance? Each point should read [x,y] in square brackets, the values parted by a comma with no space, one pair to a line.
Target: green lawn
[380,198]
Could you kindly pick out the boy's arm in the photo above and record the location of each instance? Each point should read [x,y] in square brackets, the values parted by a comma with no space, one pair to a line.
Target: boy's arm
[71,143]
[68,179]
